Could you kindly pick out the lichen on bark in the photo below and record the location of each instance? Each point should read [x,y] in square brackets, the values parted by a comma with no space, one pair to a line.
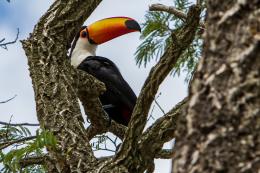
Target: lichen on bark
[220,132]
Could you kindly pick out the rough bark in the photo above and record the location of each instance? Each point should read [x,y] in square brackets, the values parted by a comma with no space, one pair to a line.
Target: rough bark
[57,86]
[52,77]
[129,154]
[220,132]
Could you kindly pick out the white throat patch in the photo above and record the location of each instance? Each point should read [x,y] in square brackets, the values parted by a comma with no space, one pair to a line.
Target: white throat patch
[82,50]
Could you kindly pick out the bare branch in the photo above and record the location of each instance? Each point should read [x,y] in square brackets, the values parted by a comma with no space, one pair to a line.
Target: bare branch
[165,154]
[39,160]
[105,158]
[168,9]
[116,129]
[170,119]
[18,124]
[161,131]
[8,100]
[93,107]
[4,45]
[159,106]
[9,143]
[158,73]
[89,98]
[53,82]
[105,149]
[104,143]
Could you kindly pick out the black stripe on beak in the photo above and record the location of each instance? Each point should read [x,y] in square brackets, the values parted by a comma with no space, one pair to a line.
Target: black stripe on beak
[132,24]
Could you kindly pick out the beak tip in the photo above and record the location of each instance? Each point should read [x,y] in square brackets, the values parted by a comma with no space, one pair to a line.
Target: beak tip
[133,25]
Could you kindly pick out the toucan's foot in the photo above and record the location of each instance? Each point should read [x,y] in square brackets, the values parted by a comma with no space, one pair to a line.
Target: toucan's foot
[109,120]
[88,120]
[107,106]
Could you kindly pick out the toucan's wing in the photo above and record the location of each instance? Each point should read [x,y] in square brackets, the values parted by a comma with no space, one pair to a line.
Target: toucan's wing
[106,71]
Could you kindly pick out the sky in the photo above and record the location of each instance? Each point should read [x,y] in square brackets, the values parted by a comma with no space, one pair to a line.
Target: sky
[14,74]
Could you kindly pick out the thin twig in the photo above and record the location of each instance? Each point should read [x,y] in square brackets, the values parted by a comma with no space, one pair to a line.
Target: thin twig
[18,124]
[155,100]
[4,45]
[105,149]
[9,143]
[112,141]
[159,106]
[151,114]
[8,99]
[39,160]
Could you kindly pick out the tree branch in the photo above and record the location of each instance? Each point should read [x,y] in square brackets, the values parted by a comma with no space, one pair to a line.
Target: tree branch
[18,124]
[165,154]
[4,45]
[9,143]
[39,160]
[53,82]
[220,132]
[158,73]
[161,131]
[115,128]
[8,100]
[170,9]
[93,107]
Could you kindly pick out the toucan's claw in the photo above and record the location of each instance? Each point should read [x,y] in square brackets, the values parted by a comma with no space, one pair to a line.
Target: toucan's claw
[108,106]
[88,120]
[109,119]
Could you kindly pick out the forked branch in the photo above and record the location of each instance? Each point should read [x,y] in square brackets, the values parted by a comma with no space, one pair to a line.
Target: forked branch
[158,73]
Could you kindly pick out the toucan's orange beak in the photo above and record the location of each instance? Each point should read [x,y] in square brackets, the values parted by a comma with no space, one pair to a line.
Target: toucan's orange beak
[110,28]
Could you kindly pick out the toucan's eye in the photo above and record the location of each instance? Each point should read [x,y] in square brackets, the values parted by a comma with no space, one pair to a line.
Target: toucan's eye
[84,34]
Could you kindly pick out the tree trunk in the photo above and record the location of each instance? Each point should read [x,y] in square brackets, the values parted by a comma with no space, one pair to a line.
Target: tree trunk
[53,82]
[57,86]
[220,132]
[221,129]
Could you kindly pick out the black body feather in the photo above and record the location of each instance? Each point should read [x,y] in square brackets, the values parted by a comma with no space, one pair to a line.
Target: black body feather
[118,94]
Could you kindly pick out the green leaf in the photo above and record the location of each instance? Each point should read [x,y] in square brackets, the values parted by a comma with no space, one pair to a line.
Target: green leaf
[156,36]
[32,148]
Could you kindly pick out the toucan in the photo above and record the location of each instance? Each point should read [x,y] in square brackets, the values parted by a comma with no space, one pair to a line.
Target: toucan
[118,100]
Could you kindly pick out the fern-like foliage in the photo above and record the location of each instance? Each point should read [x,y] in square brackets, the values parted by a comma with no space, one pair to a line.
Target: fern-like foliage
[35,147]
[8,133]
[156,36]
